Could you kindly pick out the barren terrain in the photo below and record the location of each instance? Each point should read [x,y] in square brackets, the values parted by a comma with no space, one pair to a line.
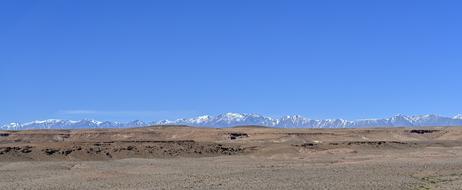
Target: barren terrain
[180,157]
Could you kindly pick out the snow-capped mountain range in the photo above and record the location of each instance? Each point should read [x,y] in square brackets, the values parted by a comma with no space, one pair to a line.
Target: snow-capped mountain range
[296,121]
[238,119]
[70,124]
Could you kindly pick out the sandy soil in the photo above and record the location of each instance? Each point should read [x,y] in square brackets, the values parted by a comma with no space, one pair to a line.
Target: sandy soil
[235,158]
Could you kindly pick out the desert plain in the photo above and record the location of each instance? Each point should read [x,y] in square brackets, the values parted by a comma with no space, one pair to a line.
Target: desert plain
[247,157]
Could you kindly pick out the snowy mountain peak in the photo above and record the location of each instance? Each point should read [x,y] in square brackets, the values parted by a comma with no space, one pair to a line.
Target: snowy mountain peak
[70,124]
[11,126]
[231,116]
[239,119]
[459,116]
[297,121]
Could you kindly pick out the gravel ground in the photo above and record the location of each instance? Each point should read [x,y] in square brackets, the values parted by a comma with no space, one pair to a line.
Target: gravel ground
[237,172]
[238,158]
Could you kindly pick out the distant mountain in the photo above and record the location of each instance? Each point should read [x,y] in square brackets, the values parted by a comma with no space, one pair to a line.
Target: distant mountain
[239,119]
[223,120]
[296,121]
[458,116]
[70,124]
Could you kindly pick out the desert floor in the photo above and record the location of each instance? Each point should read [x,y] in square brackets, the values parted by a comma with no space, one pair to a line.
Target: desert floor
[175,157]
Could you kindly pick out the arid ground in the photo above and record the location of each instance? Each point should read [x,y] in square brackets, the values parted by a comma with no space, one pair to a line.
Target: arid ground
[179,157]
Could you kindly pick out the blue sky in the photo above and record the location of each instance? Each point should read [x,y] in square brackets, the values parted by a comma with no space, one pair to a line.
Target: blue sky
[152,60]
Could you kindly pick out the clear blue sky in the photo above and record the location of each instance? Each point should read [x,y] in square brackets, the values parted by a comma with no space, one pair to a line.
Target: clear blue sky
[151,60]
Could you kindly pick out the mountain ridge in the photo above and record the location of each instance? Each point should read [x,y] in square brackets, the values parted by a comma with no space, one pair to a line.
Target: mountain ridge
[240,119]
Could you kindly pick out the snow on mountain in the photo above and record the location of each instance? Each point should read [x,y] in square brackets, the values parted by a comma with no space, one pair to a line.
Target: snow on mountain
[239,119]
[223,120]
[11,126]
[70,124]
[458,116]
[296,121]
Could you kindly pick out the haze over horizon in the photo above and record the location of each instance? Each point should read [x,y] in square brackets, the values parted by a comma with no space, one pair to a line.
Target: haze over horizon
[144,60]
[459,116]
